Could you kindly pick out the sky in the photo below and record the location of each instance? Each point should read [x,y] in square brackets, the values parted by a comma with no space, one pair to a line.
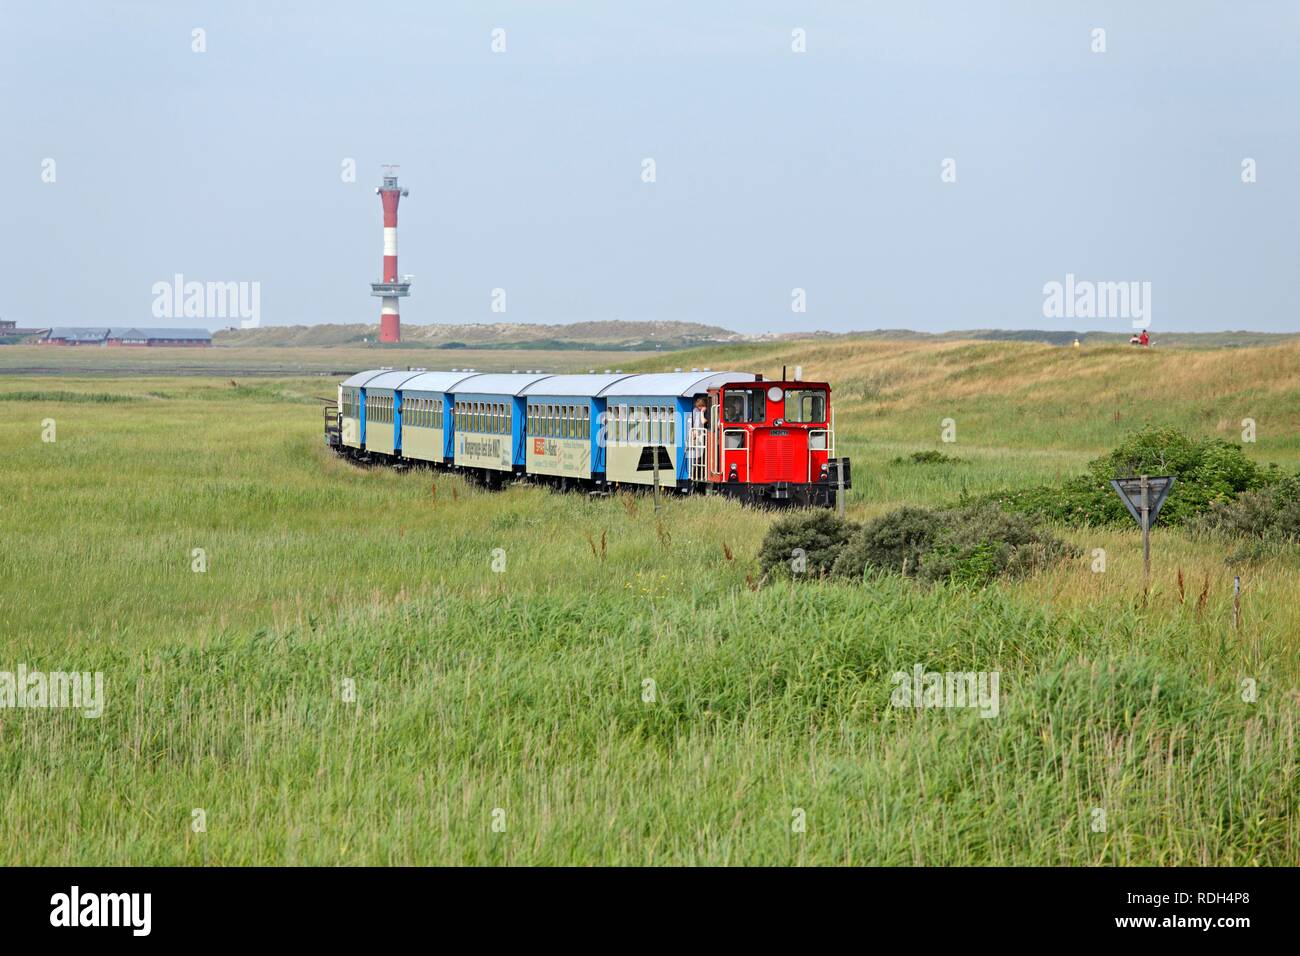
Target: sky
[816,165]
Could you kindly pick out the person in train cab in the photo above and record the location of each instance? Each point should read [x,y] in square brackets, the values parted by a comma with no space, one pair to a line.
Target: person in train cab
[699,424]
[700,416]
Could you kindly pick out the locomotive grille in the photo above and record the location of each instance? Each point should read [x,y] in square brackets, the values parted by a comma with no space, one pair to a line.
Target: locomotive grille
[781,457]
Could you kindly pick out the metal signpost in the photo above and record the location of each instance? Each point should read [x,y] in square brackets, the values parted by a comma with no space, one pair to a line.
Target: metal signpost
[1143,496]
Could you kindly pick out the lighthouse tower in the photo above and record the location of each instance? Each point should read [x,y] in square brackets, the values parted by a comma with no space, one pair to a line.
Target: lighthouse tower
[391,287]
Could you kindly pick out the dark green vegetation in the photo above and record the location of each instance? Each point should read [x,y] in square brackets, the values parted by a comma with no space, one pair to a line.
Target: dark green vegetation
[930,457]
[970,545]
[1211,474]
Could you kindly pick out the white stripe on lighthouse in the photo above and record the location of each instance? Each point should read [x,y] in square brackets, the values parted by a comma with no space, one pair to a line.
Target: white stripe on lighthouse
[390,240]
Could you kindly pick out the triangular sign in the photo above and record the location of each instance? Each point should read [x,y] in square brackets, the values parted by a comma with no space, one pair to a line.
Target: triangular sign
[1130,492]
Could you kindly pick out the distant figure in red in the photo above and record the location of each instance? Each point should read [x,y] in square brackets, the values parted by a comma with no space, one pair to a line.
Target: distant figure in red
[1144,340]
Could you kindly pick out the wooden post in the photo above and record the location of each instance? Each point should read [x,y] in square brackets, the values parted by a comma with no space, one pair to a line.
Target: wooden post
[1146,539]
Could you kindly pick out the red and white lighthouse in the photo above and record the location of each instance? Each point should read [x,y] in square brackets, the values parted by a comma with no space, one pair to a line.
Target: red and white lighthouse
[391,287]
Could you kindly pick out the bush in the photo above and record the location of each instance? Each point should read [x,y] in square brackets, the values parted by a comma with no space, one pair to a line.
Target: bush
[928,458]
[1270,514]
[970,545]
[1207,471]
[892,542]
[818,534]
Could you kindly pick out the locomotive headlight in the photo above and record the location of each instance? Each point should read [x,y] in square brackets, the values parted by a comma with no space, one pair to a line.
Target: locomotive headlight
[774,394]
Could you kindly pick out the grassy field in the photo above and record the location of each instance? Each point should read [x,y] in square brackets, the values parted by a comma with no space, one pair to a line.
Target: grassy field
[500,713]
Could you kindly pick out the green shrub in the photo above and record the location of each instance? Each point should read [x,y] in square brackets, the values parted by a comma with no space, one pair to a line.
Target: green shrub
[892,542]
[815,536]
[1271,513]
[1206,471]
[928,458]
[970,545]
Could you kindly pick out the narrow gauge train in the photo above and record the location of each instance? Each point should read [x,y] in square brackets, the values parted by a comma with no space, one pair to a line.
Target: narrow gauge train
[762,441]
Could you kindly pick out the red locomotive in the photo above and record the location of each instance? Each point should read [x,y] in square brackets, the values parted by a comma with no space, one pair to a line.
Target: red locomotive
[769,443]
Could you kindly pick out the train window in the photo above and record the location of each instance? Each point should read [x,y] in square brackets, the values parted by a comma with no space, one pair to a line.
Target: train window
[586,422]
[744,405]
[569,430]
[805,405]
[672,426]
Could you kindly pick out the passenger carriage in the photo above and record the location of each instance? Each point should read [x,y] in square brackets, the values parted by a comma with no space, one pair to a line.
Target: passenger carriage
[563,426]
[381,404]
[648,416]
[352,404]
[427,408]
[489,423]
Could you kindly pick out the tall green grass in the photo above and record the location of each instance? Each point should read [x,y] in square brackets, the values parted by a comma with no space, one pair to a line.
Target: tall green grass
[522,690]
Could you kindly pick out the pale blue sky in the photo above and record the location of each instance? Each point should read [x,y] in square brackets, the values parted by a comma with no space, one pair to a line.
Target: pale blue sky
[775,170]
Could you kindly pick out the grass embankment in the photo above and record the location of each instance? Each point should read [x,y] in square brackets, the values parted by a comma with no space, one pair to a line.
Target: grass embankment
[524,690]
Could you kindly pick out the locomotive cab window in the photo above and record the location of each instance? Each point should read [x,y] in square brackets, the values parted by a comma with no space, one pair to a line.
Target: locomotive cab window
[805,405]
[744,406]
